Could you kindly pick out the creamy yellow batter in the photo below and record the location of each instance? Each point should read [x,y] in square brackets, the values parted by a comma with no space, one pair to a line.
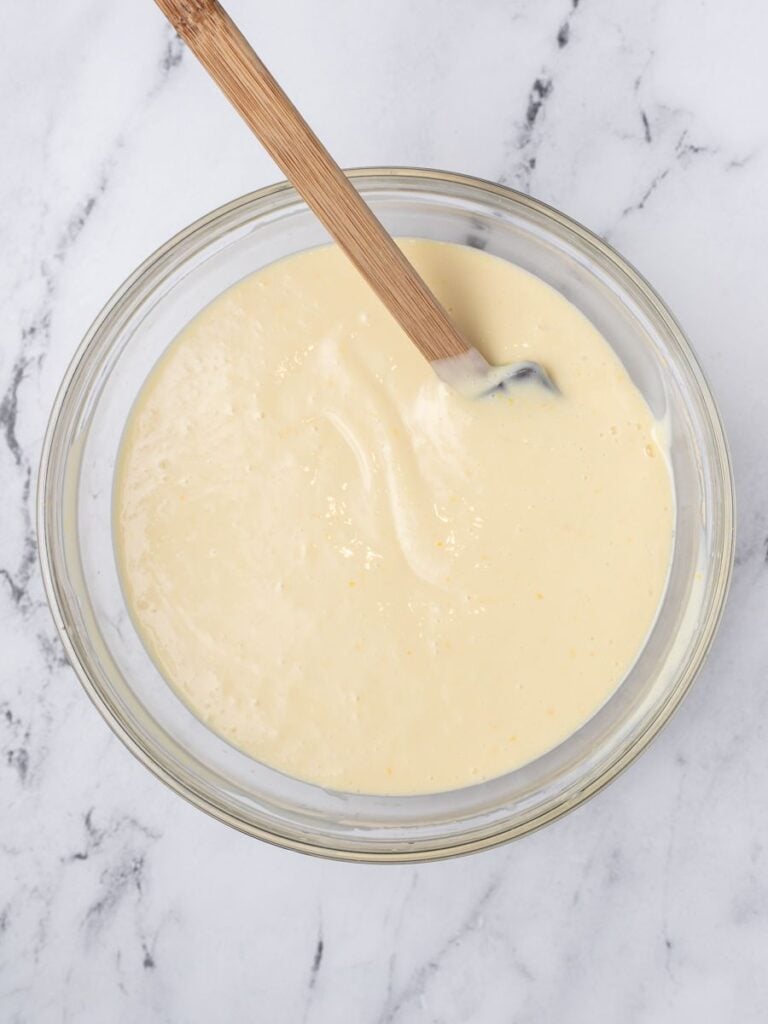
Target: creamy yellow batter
[359,576]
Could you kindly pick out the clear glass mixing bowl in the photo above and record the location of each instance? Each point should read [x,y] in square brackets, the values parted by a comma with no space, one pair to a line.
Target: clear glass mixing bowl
[78,561]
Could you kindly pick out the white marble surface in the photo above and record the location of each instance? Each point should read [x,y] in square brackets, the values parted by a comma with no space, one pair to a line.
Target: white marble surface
[120,903]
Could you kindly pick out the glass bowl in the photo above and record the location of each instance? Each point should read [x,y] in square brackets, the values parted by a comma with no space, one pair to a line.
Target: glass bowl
[80,573]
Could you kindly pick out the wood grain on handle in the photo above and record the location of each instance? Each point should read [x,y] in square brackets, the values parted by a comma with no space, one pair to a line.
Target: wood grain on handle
[225,53]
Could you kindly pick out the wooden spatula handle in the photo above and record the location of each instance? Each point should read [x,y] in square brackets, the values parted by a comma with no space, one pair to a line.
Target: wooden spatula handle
[225,53]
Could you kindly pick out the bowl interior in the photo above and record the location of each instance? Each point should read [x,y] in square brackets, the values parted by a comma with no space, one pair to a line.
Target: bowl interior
[81,573]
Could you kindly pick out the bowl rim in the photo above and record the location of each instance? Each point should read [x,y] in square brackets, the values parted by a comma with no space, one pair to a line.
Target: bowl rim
[506,831]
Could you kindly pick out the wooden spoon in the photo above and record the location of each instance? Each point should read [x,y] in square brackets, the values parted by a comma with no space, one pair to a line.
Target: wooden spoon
[222,49]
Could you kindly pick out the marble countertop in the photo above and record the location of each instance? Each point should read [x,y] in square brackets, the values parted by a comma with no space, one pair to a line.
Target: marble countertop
[120,903]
